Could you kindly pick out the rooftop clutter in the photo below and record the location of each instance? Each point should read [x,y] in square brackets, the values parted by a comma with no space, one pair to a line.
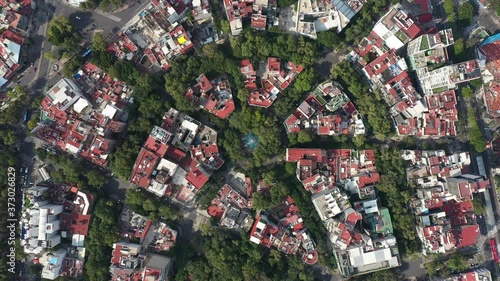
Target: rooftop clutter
[177,158]
[214,96]
[443,202]
[155,37]
[326,111]
[361,234]
[50,214]
[268,81]
[426,111]
[230,208]
[282,228]
[81,116]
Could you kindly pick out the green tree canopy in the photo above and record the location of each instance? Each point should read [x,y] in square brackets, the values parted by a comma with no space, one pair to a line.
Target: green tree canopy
[61,33]
[467,92]
[95,178]
[99,42]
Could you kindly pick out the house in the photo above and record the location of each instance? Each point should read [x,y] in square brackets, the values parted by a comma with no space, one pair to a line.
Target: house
[52,264]
[326,111]
[214,96]
[181,153]
[443,202]
[282,227]
[229,208]
[276,77]
[332,176]
[396,27]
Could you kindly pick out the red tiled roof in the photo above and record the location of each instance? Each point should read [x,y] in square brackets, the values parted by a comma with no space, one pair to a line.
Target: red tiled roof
[144,165]
[227,109]
[197,178]
[75,223]
[295,154]
[466,235]
[492,52]
[424,4]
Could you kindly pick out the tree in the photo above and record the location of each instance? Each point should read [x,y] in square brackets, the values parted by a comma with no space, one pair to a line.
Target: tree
[479,208]
[304,136]
[61,33]
[96,179]
[449,6]
[41,153]
[467,93]
[99,42]
[466,13]
[476,137]
[8,137]
[50,56]
[103,233]
[359,141]
[72,65]
[32,123]
[261,201]
[328,39]
[457,263]
[291,168]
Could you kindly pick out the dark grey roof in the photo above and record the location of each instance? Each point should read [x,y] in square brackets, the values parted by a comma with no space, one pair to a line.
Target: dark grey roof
[342,7]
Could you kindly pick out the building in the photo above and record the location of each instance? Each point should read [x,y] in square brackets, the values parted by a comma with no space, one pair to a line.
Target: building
[443,202]
[156,35]
[396,28]
[172,10]
[161,237]
[447,77]
[156,268]
[236,12]
[52,264]
[182,153]
[319,16]
[282,228]
[273,77]
[432,113]
[476,274]
[326,111]
[201,11]
[43,227]
[489,60]
[84,123]
[214,96]
[230,208]
[429,50]
[330,203]
[10,55]
[125,260]
[361,234]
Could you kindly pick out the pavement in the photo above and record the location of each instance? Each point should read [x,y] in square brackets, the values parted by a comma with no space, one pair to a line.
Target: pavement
[328,59]
[488,19]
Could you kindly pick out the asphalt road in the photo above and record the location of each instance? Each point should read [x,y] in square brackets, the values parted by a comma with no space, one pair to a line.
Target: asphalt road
[35,78]
[324,64]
